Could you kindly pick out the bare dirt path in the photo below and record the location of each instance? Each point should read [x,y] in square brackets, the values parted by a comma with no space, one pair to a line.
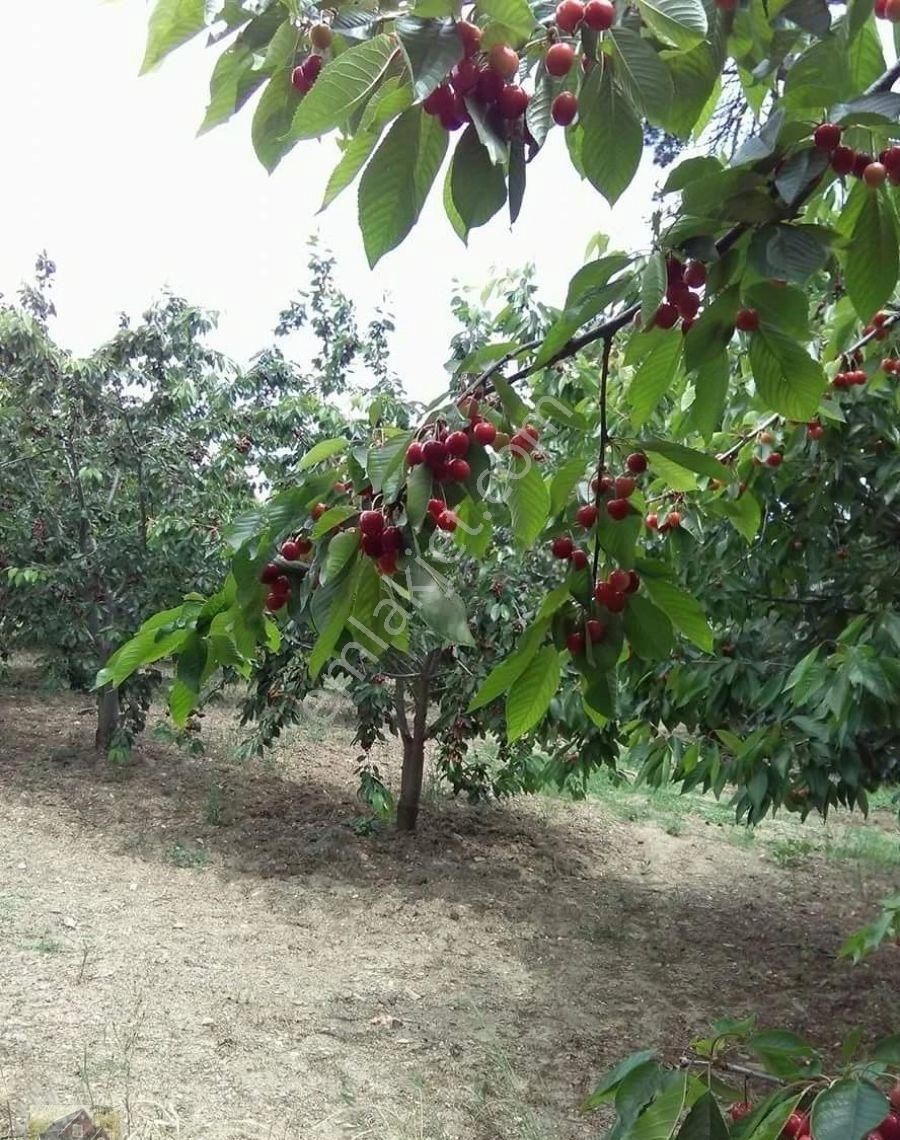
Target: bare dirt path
[212,948]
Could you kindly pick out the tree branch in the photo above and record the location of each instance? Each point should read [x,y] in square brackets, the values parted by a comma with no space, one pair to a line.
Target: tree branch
[604,440]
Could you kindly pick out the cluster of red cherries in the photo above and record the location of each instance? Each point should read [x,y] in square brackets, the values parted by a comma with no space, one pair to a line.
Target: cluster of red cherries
[611,593]
[798,1126]
[845,160]
[682,302]
[274,577]
[307,71]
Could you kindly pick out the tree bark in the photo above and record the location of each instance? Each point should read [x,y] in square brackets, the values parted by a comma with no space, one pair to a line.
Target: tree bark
[107,717]
[414,750]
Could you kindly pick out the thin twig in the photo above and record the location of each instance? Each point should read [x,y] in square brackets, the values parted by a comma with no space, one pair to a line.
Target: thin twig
[738,1070]
[604,440]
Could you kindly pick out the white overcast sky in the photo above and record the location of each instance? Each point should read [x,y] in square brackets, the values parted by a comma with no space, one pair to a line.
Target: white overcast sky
[104,170]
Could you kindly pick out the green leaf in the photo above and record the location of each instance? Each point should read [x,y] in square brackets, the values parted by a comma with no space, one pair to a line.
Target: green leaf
[648,628]
[687,457]
[872,258]
[653,286]
[642,73]
[517,175]
[704,1121]
[340,550]
[515,16]
[880,108]
[391,98]
[888,1048]
[658,1121]
[234,79]
[338,613]
[497,148]
[710,393]
[680,22]
[529,502]
[538,118]
[613,137]
[474,532]
[356,154]
[655,377]
[781,307]
[695,75]
[685,612]
[531,694]
[322,450]
[788,380]
[477,186]
[272,118]
[146,647]
[789,252]
[382,462]
[342,84]
[418,492]
[591,279]
[185,692]
[712,331]
[332,518]
[396,182]
[849,1110]
[514,407]
[432,48]
[172,23]
[440,606]
[811,15]
[744,513]
[618,537]
[564,482]
[610,1081]
[504,675]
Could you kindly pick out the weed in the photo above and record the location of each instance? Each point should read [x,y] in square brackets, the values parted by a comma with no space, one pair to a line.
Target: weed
[187,857]
[44,945]
[792,851]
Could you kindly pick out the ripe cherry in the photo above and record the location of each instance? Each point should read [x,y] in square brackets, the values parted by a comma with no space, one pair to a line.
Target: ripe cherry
[299,80]
[890,1126]
[652,520]
[586,515]
[459,470]
[275,602]
[440,101]
[392,540]
[688,306]
[320,37]
[317,511]
[695,274]
[798,1122]
[575,643]
[860,163]
[599,15]
[269,573]
[371,522]
[436,507]
[874,174]
[826,136]
[513,101]
[490,84]
[470,34]
[634,582]
[312,65]
[414,454]
[448,520]
[814,430]
[624,486]
[503,60]
[747,320]
[434,453]
[562,546]
[373,545]
[579,558]
[464,76]
[304,545]
[484,432]
[618,509]
[673,519]
[569,14]
[387,563]
[603,484]
[564,108]
[881,9]
[636,463]
[843,159]
[457,444]
[740,1110]
[559,59]
[892,11]
[595,630]
[666,316]
[290,551]
[456,116]
[619,580]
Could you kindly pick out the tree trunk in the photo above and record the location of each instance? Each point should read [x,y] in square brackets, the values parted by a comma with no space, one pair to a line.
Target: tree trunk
[107,717]
[410,783]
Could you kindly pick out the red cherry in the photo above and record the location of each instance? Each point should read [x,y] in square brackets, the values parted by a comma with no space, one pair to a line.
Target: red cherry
[890,1127]
[448,520]
[874,174]
[484,432]
[579,559]
[624,486]
[436,507]
[688,306]
[373,545]
[290,551]
[796,1125]
[843,159]
[392,540]
[860,163]
[457,444]
[464,76]
[726,5]
[891,160]
[586,515]
[414,454]
[619,580]
[686,324]
[564,108]
[603,484]
[434,452]
[387,563]
[559,59]
[618,509]
[826,136]
[562,546]
[652,521]
[595,630]
[371,522]
[695,274]
[740,1110]
[470,34]
[460,471]
[747,320]
[317,511]
[814,430]
[512,102]
[299,80]
[304,545]
[503,60]
[634,582]
[531,431]
[456,116]
[881,9]
[490,84]
[774,460]
[673,519]
[269,573]
[599,15]
[666,316]
[636,463]
[569,14]
[275,601]
[892,11]
[575,643]
[440,101]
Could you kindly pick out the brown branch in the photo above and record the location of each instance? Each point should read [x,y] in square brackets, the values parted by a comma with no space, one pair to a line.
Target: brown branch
[604,440]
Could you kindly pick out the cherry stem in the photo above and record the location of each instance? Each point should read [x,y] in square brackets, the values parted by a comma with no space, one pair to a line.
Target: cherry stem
[601,458]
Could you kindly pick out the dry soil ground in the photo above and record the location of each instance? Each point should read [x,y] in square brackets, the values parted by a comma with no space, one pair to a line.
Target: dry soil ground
[212,948]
